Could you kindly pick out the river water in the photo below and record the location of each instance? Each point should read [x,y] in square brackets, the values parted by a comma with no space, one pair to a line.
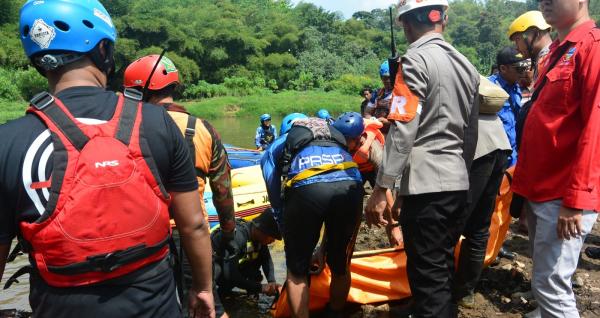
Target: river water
[236,131]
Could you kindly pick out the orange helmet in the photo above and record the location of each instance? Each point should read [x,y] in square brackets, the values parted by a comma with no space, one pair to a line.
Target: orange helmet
[137,73]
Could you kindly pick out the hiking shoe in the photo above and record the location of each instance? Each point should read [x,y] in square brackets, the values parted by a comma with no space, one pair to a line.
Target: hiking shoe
[593,252]
[468,301]
[504,253]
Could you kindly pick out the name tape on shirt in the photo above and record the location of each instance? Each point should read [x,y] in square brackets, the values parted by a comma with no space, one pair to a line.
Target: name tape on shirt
[405,105]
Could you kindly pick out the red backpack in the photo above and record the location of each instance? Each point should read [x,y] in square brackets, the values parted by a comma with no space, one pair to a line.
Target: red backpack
[107,214]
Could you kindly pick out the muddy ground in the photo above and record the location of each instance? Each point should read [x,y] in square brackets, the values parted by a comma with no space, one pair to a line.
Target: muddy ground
[504,288]
[502,291]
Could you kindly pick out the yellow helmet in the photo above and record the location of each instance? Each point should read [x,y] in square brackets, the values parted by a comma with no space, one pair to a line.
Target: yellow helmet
[527,20]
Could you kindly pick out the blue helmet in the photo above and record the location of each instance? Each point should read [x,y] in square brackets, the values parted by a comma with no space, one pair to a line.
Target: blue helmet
[64,25]
[288,121]
[264,117]
[350,124]
[384,69]
[323,114]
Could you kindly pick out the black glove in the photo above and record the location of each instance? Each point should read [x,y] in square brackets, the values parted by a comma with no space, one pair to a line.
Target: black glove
[229,247]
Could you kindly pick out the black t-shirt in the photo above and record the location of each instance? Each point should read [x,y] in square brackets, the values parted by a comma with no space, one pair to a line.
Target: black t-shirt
[26,157]
[25,152]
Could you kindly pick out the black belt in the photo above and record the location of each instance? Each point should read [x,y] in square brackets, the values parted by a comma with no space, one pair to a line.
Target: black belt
[111,261]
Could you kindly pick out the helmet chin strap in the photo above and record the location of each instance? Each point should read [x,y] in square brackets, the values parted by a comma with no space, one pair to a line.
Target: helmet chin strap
[529,45]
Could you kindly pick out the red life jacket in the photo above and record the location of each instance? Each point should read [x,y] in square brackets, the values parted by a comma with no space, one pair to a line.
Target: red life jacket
[107,214]
[372,132]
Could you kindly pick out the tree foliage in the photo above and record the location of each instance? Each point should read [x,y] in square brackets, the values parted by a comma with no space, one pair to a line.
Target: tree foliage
[271,42]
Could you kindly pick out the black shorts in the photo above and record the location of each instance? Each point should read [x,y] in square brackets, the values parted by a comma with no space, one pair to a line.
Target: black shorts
[339,206]
[148,292]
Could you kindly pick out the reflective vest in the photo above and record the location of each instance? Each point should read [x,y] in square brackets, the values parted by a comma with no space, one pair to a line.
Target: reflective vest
[372,132]
[107,214]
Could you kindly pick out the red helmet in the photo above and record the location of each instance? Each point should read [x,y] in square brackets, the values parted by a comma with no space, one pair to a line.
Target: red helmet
[137,73]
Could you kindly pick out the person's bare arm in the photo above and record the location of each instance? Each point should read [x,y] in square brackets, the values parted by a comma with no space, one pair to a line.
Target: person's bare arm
[195,238]
[4,250]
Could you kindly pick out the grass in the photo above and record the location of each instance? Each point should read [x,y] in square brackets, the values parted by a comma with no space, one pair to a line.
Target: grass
[275,104]
[10,110]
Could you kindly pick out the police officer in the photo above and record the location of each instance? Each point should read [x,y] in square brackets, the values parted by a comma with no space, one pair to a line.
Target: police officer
[429,150]
[75,53]
[321,185]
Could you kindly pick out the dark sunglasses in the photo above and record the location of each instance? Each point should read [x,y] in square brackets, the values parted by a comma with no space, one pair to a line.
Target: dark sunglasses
[520,69]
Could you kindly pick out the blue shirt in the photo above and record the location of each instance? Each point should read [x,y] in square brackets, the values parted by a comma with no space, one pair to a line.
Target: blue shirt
[259,139]
[509,113]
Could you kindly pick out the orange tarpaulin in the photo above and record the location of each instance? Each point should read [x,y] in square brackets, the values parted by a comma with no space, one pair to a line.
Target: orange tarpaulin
[383,277]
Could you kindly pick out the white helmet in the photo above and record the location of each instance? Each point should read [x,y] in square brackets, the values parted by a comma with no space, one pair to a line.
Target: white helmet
[405,6]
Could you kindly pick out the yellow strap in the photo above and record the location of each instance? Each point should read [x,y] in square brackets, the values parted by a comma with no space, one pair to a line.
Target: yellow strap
[311,172]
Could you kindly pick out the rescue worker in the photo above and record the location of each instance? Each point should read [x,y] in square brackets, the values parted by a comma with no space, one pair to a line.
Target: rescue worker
[379,107]
[511,65]
[429,150]
[321,185]
[265,133]
[531,35]
[93,208]
[208,153]
[242,269]
[558,167]
[365,143]
[324,114]
[485,178]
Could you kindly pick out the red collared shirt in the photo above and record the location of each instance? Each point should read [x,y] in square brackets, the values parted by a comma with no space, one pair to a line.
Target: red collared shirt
[560,150]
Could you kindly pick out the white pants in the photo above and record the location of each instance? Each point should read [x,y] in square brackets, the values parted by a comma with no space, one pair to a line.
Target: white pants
[554,260]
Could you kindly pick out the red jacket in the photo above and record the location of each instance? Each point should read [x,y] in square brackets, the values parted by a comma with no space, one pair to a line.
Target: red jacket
[560,151]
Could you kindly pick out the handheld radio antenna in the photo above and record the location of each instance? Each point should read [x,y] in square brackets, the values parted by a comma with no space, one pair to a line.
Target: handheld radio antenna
[393,42]
[145,91]
[393,60]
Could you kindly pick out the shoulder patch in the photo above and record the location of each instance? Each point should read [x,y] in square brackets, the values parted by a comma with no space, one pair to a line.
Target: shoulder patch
[405,104]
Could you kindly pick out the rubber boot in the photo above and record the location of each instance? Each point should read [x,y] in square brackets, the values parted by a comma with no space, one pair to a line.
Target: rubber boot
[470,265]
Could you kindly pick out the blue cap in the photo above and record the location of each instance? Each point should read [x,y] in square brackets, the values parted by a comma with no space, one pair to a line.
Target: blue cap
[64,25]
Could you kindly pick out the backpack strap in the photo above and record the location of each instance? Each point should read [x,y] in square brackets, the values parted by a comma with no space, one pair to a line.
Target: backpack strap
[46,104]
[190,132]
[128,115]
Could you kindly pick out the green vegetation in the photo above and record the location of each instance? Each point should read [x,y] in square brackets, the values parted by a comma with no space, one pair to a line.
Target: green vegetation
[275,104]
[11,110]
[254,50]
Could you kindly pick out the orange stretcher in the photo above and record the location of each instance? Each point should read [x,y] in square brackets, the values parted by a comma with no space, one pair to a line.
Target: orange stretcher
[381,275]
